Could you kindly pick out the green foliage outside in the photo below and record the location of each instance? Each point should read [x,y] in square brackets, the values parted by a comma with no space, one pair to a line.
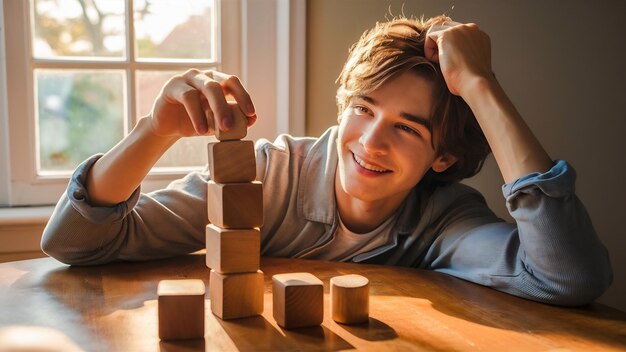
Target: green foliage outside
[80,114]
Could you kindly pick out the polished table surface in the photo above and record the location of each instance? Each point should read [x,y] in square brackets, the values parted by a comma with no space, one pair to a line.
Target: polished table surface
[113,308]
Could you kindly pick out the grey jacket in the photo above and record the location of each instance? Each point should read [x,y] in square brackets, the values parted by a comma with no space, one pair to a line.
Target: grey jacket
[551,254]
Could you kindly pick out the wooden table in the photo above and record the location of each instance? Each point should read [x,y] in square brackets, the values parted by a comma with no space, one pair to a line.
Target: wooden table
[113,308]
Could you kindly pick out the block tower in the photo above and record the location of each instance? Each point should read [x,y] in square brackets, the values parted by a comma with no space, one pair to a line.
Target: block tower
[235,209]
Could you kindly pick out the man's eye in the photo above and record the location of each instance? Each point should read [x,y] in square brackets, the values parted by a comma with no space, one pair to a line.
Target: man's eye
[408,129]
[361,109]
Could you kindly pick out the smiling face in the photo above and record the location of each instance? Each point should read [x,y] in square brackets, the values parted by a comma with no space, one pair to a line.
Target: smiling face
[384,142]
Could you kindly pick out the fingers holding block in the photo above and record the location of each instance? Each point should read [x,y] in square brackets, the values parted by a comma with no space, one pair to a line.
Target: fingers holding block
[349,296]
[232,251]
[239,130]
[181,309]
[298,300]
[236,295]
[235,205]
[232,161]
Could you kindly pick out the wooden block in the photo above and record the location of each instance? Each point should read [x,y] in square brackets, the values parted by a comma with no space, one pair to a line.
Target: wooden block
[239,130]
[181,309]
[232,251]
[349,297]
[298,300]
[236,295]
[232,161]
[235,205]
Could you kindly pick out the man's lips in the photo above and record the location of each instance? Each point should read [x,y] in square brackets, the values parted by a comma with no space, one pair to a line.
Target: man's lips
[368,165]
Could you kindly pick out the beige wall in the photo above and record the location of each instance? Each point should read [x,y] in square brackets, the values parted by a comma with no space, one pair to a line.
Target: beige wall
[563,65]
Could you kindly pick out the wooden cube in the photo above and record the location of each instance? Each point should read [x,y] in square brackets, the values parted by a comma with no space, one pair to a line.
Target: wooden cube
[233,251]
[239,130]
[236,295]
[232,161]
[181,309]
[235,205]
[349,297]
[298,300]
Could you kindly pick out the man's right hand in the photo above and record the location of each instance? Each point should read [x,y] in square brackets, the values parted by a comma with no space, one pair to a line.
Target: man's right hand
[189,104]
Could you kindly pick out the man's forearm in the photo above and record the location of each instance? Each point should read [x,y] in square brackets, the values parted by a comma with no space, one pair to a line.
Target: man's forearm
[115,176]
[515,147]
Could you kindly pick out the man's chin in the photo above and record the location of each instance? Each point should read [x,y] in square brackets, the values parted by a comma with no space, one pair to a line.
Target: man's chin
[359,192]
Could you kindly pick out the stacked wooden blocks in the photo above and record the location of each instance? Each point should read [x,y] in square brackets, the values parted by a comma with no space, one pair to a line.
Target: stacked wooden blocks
[235,210]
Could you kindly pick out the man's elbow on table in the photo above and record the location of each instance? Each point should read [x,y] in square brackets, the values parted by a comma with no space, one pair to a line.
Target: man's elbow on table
[59,252]
[68,257]
[578,288]
[592,278]
[59,246]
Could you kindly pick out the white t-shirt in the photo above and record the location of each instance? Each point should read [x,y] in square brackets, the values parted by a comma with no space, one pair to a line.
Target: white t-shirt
[347,244]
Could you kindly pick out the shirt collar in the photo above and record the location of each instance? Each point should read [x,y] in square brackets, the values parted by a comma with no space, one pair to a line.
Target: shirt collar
[316,189]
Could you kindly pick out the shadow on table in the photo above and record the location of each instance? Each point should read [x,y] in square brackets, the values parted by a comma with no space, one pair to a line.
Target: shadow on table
[373,330]
[258,334]
[196,345]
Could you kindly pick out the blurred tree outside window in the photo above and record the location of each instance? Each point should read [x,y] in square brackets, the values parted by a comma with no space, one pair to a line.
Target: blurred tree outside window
[96,69]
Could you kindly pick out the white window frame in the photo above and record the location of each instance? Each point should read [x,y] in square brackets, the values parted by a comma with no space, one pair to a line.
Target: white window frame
[265,47]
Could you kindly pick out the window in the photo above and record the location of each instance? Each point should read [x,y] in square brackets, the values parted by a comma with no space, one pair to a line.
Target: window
[78,74]
[97,65]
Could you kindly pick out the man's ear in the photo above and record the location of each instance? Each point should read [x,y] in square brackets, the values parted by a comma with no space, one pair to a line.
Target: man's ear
[443,162]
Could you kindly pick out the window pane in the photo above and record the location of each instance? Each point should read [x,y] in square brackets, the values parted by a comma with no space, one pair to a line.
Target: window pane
[78,28]
[187,152]
[175,29]
[79,113]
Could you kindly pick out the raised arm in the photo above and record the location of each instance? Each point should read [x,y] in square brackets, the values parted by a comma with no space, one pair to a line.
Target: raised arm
[464,54]
[103,217]
[552,252]
[186,106]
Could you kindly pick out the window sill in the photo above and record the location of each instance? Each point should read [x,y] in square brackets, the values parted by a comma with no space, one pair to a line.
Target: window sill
[20,216]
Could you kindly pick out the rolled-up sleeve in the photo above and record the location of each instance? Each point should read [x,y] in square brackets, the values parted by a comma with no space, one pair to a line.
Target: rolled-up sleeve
[551,253]
[146,226]
[77,196]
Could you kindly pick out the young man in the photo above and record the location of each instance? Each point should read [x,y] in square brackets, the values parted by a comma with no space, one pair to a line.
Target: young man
[419,110]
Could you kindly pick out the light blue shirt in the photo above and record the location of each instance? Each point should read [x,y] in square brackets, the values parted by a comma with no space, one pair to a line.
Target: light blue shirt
[551,254]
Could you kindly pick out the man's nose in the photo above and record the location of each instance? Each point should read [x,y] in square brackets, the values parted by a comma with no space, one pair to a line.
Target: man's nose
[374,138]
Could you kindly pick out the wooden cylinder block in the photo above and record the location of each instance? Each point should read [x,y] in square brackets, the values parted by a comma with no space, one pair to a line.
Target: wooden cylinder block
[349,296]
